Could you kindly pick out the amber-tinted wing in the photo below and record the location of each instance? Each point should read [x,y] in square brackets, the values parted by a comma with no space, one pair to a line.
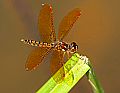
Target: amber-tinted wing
[67,23]
[56,63]
[45,24]
[36,57]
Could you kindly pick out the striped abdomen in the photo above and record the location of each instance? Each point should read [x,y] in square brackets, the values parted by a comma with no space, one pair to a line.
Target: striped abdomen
[36,43]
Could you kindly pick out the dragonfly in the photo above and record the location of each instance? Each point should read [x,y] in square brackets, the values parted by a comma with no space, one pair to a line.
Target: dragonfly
[49,42]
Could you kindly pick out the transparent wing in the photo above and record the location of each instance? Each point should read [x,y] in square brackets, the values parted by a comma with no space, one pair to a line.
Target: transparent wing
[36,57]
[56,63]
[45,24]
[67,23]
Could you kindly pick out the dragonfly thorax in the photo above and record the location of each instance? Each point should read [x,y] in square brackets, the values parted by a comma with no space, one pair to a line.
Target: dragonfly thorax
[66,47]
[61,46]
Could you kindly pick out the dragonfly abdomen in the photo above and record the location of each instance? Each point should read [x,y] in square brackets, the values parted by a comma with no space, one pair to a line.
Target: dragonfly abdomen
[36,43]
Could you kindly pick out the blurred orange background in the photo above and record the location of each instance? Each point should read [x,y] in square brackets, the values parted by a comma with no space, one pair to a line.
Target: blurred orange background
[97,33]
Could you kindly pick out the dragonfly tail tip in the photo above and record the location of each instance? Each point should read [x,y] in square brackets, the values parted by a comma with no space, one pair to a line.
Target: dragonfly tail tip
[22,40]
[43,4]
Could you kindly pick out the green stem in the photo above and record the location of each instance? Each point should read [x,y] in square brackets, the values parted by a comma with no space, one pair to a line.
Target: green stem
[75,68]
[96,86]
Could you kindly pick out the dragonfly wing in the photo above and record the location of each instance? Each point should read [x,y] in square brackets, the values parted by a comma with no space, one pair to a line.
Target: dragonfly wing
[45,24]
[57,61]
[67,23]
[36,57]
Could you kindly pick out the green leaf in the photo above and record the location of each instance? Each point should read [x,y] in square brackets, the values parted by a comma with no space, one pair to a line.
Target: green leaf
[75,68]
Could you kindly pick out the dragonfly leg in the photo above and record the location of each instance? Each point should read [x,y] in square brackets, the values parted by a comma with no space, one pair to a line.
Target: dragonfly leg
[68,55]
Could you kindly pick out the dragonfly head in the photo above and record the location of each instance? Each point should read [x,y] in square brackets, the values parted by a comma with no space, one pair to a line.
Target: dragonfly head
[73,47]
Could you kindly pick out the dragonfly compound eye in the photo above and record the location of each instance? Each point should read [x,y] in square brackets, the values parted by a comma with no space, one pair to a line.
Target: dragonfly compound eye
[73,47]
